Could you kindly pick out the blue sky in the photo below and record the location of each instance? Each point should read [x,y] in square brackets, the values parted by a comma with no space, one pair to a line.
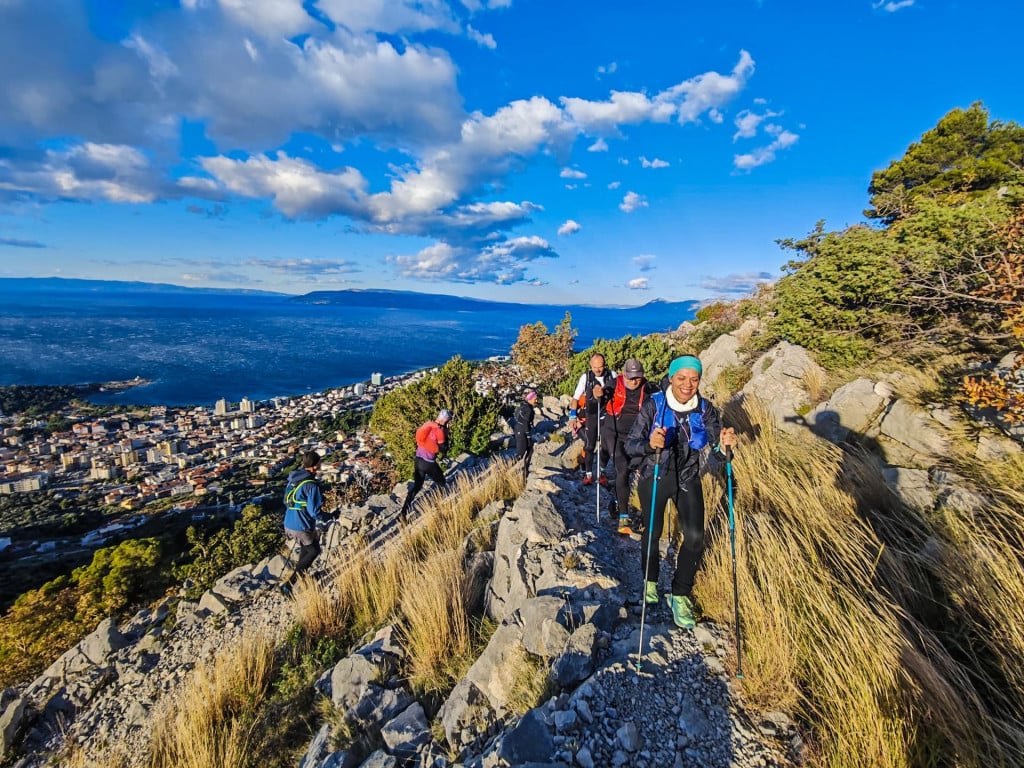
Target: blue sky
[522,150]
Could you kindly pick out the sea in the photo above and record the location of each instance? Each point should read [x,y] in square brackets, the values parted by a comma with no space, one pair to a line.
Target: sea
[196,348]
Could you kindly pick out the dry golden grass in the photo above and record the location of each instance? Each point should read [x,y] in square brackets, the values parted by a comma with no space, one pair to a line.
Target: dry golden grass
[839,609]
[210,725]
[419,575]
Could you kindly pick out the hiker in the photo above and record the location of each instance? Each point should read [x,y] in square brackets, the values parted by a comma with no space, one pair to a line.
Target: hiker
[431,443]
[631,391]
[523,419]
[590,396]
[675,425]
[303,508]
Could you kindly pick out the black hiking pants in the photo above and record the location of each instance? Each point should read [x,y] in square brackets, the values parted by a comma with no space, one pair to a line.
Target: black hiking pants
[309,550]
[689,502]
[524,451]
[590,442]
[422,470]
[622,473]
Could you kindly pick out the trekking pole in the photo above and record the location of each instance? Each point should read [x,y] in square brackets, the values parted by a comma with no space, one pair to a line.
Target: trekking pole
[650,537]
[597,463]
[735,583]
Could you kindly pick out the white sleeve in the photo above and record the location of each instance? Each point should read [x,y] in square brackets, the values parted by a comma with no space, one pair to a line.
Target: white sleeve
[579,387]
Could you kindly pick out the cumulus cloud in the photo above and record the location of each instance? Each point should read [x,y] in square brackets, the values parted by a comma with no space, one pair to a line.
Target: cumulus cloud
[747,122]
[614,184]
[655,163]
[632,201]
[335,71]
[502,263]
[88,171]
[638,284]
[645,262]
[685,101]
[570,227]
[766,154]
[741,284]
[892,6]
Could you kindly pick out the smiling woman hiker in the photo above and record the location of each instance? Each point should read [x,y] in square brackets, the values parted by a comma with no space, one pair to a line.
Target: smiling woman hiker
[672,428]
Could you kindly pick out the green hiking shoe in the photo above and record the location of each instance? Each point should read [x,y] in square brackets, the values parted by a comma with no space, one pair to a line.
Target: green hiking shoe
[682,611]
[651,592]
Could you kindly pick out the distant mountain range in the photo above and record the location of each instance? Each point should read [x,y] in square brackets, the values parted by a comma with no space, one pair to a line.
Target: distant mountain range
[414,300]
[76,285]
[380,299]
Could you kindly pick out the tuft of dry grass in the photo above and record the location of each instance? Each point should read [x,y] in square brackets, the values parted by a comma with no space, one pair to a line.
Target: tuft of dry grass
[850,618]
[530,682]
[210,724]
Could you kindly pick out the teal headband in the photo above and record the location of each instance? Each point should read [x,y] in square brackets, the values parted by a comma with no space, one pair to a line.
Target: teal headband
[686,361]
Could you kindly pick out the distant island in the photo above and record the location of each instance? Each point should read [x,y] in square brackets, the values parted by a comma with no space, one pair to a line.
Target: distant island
[353,297]
[384,299]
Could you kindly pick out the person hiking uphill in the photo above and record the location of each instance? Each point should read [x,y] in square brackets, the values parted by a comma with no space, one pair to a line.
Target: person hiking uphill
[431,443]
[303,508]
[523,429]
[631,391]
[672,428]
[591,394]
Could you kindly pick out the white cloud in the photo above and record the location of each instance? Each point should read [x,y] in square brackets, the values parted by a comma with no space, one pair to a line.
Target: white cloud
[766,154]
[307,266]
[645,262]
[623,161]
[572,173]
[741,284]
[501,263]
[686,101]
[655,163]
[614,184]
[632,201]
[297,187]
[598,146]
[747,122]
[607,69]
[570,227]
[112,172]
[487,41]
[638,284]
[892,7]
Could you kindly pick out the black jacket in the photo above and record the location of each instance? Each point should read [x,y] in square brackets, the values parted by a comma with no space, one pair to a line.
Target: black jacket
[678,456]
[523,419]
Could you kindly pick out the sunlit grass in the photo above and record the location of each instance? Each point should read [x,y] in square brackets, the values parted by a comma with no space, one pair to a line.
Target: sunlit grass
[211,723]
[841,616]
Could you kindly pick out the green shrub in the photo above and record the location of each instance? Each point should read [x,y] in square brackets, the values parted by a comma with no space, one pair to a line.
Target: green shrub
[653,351]
[254,536]
[398,414]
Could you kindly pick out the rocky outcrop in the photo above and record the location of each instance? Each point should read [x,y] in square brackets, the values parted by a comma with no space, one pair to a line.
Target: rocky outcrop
[778,380]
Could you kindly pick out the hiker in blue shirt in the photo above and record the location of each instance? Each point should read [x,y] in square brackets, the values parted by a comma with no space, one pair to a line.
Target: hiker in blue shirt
[303,504]
[672,428]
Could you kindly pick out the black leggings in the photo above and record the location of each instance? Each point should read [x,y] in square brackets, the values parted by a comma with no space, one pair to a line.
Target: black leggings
[423,470]
[689,501]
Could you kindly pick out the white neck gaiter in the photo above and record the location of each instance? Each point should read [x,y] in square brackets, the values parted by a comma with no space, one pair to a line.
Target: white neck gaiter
[675,405]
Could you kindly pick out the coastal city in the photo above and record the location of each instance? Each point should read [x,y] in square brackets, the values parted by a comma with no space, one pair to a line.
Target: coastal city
[138,455]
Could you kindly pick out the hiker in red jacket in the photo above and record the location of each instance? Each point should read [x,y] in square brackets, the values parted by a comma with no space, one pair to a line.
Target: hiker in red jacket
[631,389]
[431,442]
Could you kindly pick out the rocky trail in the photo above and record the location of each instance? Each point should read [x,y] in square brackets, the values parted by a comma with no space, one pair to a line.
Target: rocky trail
[567,588]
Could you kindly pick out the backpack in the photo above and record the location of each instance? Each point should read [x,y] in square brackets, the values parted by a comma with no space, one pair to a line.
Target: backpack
[588,388]
[290,501]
